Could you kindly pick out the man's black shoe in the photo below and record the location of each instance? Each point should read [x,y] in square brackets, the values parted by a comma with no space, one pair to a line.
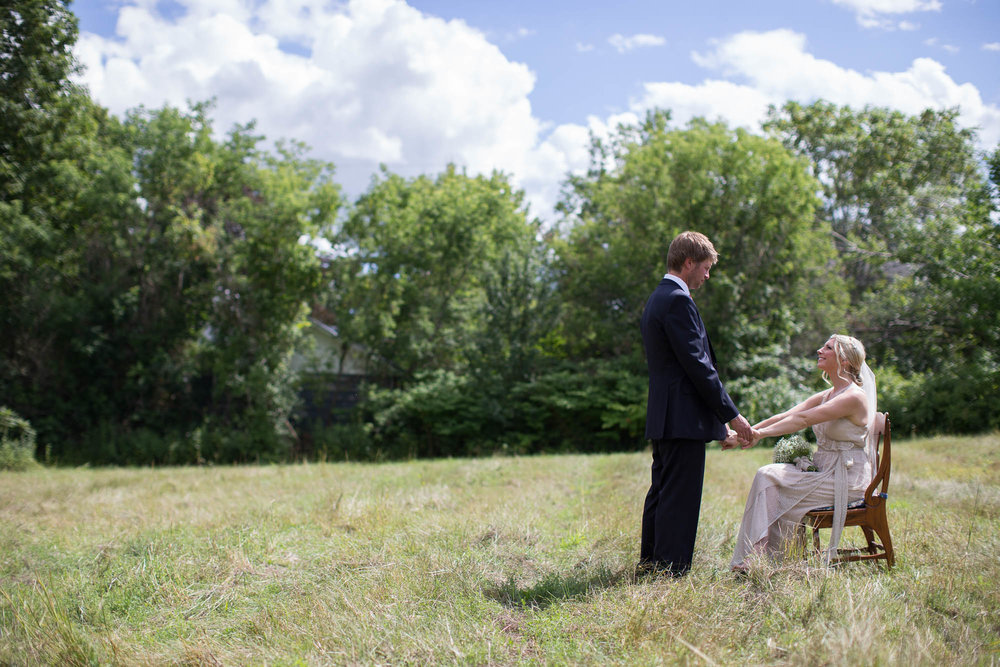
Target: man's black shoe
[658,570]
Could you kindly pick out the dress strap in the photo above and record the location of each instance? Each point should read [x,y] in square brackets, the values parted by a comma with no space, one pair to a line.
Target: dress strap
[839,504]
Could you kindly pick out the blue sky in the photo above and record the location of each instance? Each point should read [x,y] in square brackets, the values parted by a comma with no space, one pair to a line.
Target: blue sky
[519,85]
[600,80]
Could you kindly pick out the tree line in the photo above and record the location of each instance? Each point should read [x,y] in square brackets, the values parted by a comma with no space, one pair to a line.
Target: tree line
[154,282]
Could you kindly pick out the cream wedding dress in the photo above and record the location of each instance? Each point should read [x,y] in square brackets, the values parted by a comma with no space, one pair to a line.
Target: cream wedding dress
[781,494]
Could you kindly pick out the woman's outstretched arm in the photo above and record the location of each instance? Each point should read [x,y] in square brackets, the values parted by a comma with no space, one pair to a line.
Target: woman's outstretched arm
[811,402]
[851,404]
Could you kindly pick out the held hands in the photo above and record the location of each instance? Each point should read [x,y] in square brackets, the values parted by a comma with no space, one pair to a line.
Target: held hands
[734,439]
[731,441]
[744,432]
[740,433]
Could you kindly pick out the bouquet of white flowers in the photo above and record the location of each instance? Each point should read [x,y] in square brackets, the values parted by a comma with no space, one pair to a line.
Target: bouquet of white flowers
[796,450]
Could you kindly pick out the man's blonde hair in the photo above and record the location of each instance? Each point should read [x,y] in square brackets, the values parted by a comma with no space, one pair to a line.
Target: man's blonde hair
[690,245]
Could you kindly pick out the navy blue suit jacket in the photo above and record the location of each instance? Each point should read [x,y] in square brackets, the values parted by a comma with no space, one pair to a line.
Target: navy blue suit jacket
[686,398]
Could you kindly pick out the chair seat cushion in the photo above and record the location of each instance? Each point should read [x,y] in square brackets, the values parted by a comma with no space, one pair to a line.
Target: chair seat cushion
[857,504]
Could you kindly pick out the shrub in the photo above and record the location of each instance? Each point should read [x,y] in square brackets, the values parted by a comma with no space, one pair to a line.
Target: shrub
[347,440]
[769,381]
[17,442]
[589,406]
[954,398]
[596,405]
[895,395]
[441,414]
[759,398]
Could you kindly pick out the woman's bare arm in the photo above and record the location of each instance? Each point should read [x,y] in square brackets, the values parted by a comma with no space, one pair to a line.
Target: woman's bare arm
[850,404]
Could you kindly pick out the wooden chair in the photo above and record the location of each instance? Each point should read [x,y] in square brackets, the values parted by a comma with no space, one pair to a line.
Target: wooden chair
[870,516]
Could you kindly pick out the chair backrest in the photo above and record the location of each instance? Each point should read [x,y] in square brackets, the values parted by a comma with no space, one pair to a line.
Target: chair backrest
[883,459]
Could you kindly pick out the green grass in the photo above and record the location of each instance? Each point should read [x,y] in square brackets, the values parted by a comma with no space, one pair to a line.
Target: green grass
[499,561]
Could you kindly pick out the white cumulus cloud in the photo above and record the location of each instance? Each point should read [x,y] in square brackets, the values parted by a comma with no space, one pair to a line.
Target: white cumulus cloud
[362,82]
[624,44]
[876,13]
[370,81]
[761,68]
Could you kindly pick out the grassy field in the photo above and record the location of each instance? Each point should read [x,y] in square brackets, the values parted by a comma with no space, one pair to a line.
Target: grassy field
[489,561]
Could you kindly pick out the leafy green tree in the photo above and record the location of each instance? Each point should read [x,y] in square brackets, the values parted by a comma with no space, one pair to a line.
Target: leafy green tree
[36,41]
[236,213]
[53,162]
[446,283]
[516,314]
[176,301]
[748,194]
[39,120]
[884,173]
[420,264]
[914,214]
[907,202]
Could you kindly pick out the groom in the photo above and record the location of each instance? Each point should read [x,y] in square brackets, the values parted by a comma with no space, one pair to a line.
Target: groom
[686,407]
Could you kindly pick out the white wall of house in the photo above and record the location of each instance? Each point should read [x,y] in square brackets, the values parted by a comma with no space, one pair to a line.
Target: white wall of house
[320,352]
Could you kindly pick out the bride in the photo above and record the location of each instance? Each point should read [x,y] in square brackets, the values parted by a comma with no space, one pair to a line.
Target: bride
[841,417]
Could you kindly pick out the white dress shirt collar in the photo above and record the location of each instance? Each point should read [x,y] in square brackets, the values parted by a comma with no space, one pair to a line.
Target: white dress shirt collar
[679,281]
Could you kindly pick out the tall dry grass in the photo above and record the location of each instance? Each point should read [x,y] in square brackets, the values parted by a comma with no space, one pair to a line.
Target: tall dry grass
[489,561]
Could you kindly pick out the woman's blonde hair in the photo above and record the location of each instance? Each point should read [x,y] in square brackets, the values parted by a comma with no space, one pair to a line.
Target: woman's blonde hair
[850,358]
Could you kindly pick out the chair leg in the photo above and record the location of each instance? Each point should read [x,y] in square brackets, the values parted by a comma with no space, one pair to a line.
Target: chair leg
[882,528]
[870,536]
[800,534]
[876,526]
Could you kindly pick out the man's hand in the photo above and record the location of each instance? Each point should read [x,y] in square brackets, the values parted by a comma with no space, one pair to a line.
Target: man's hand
[732,440]
[743,430]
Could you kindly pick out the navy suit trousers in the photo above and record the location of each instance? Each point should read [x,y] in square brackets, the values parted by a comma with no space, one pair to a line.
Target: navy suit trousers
[673,503]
